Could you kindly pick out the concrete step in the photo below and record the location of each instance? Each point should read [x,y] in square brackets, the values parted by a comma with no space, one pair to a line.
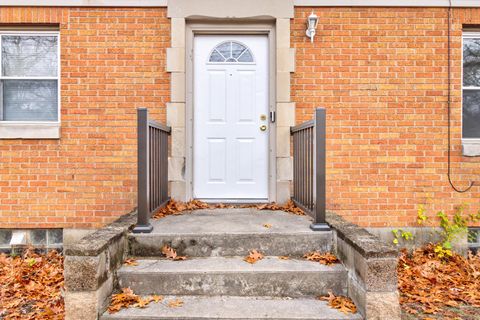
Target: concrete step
[234,308]
[233,276]
[231,232]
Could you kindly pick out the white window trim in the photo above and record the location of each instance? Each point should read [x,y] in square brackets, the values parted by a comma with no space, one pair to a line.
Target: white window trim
[470,146]
[34,129]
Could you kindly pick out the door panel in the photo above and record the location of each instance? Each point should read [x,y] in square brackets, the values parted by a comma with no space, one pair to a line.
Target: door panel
[217,96]
[245,150]
[217,158]
[246,96]
[230,152]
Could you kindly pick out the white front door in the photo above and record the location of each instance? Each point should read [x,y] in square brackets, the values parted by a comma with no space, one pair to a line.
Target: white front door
[230,139]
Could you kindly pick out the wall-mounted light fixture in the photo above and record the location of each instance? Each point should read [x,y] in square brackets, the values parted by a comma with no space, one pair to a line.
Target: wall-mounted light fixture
[312,23]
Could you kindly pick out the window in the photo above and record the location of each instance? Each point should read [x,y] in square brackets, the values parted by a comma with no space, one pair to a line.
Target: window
[29,77]
[231,52]
[471,86]
[474,239]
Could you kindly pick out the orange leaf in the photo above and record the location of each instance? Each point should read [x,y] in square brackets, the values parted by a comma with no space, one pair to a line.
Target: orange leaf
[171,254]
[253,257]
[157,298]
[130,262]
[344,304]
[124,299]
[324,258]
[175,303]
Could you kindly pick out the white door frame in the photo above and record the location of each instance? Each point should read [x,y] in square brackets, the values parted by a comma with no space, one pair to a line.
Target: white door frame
[218,28]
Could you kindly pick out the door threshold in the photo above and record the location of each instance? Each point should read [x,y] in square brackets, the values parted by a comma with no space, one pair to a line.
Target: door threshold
[233,201]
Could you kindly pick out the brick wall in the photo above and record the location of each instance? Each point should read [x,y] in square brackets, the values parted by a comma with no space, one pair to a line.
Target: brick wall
[382,75]
[112,61]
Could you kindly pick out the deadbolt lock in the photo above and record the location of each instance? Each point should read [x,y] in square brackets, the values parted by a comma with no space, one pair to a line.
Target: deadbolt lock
[263,127]
[263,117]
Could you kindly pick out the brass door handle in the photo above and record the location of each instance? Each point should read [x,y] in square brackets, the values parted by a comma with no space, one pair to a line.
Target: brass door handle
[263,127]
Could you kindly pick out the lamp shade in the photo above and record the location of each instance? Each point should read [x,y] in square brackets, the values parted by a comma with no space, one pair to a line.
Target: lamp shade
[312,23]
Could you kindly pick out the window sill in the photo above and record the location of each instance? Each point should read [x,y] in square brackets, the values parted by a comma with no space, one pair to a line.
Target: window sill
[471,147]
[29,130]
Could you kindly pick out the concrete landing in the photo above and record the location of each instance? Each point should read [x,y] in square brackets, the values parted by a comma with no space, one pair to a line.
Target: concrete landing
[215,221]
[231,232]
[235,308]
[233,276]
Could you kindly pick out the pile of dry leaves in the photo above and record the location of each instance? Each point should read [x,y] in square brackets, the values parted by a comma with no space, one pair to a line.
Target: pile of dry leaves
[326,258]
[176,207]
[127,298]
[31,286]
[427,283]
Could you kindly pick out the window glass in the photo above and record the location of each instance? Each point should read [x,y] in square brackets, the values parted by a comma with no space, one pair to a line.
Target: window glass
[216,57]
[30,100]
[29,77]
[29,56]
[231,52]
[471,87]
[471,113]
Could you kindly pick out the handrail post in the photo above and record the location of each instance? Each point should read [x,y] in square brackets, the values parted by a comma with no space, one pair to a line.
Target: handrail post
[143,192]
[319,222]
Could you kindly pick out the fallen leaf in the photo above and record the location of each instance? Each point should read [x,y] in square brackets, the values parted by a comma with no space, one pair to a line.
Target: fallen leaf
[171,254]
[130,262]
[344,304]
[326,258]
[284,258]
[157,298]
[143,302]
[175,303]
[253,257]
[267,225]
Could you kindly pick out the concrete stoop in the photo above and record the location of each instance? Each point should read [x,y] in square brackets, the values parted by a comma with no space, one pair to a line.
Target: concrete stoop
[231,232]
[215,283]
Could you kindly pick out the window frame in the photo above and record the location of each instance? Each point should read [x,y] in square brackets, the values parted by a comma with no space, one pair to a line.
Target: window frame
[470,146]
[57,78]
[470,34]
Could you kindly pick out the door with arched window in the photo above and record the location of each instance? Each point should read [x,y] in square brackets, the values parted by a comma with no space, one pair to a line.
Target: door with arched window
[230,112]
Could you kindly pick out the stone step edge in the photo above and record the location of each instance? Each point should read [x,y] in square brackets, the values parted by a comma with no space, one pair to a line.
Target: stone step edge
[291,258]
[235,307]
[265,232]
[332,268]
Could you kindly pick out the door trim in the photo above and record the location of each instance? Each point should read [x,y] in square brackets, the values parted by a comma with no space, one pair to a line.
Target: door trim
[221,28]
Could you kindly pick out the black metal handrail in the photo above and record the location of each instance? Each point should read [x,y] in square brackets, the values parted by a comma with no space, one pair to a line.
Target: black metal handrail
[152,171]
[309,190]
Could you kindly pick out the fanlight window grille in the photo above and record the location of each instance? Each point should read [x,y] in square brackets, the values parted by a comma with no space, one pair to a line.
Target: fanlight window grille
[231,52]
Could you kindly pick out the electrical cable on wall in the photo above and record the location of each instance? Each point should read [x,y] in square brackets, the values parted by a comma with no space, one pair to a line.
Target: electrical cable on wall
[449,110]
